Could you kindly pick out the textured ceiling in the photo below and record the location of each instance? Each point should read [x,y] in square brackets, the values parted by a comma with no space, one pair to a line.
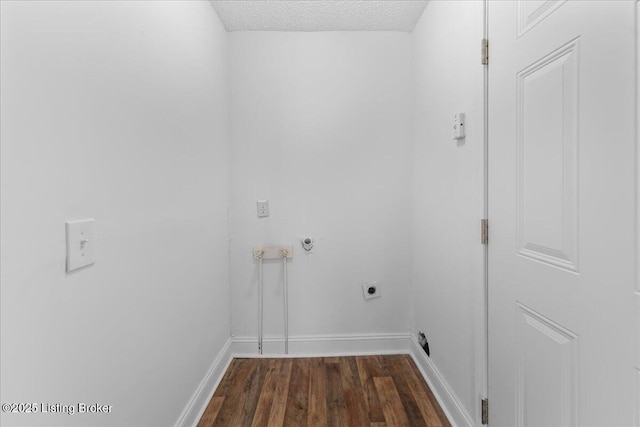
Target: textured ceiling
[319,15]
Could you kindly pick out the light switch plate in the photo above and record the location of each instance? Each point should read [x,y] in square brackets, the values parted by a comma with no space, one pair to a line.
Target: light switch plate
[80,244]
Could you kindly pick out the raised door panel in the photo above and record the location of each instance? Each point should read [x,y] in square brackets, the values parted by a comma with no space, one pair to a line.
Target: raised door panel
[547,147]
[532,12]
[546,372]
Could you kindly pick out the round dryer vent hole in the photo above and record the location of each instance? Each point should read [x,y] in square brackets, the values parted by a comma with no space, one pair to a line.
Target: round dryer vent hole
[371,290]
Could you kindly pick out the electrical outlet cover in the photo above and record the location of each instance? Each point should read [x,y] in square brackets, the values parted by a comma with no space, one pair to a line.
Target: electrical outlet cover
[263,208]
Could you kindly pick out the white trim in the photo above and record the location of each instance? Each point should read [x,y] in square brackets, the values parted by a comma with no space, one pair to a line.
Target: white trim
[449,402]
[200,399]
[637,421]
[637,369]
[637,195]
[323,345]
[482,299]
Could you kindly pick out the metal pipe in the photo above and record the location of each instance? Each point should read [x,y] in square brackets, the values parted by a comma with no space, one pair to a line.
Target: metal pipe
[260,304]
[286,309]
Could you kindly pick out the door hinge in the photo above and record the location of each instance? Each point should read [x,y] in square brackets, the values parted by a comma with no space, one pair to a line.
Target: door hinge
[485,52]
[485,411]
[484,231]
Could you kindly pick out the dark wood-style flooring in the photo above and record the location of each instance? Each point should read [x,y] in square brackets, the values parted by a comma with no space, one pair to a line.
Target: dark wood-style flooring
[325,391]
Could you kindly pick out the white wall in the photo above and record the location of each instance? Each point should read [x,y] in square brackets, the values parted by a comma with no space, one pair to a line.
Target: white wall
[321,126]
[447,196]
[118,111]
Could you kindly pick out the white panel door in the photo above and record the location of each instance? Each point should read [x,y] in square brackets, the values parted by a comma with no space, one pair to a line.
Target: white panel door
[562,320]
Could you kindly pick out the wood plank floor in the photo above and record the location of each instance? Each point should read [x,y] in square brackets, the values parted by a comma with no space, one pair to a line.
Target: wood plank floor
[331,391]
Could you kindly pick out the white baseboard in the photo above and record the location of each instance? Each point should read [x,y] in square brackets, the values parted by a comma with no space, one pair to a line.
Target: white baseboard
[320,345]
[449,402]
[198,403]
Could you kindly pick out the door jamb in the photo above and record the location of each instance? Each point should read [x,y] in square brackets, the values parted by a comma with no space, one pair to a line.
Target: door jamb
[485,202]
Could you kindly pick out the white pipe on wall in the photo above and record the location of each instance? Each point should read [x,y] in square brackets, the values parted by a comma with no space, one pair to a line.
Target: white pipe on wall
[260,310]
[286,307]
[258,255]
[273,252]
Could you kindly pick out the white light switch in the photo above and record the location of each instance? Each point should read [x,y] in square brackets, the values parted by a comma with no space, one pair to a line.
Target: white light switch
[80,244]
